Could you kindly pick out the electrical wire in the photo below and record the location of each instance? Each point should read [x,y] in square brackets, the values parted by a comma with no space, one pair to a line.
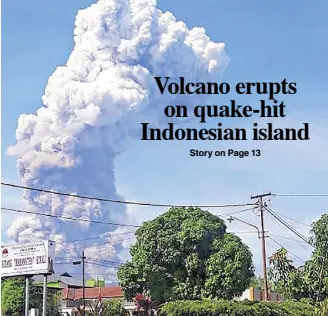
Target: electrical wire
[118,201]
[98,222]
[276,249]
[90,260]
[102,236]
[96,237]
[303,195]
[235,212]
[98,274]
[98,264]
[245,232]
[68,218]
[289,238]
[104,261]
[103,243]
[292,219]
[297,257]
[300,242]
[287,225]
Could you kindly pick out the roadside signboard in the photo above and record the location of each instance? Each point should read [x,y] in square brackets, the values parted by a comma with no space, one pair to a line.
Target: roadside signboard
[27,259]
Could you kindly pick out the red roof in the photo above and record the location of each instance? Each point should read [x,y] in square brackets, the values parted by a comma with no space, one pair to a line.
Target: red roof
[92,293]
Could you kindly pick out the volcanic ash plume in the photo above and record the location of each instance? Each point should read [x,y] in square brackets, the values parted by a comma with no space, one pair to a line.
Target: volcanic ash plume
[91,106]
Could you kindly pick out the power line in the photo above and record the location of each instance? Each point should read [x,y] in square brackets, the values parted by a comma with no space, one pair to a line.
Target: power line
[245,232]
[69,260]
[98,274]
[300,242]
[303,195]
[96,237]
[99,264]
[302,260]
[292,219]
[236,212]
[288,226]
[92,263]
[67,217]
[118,201]
[288,230]
[98,222]
[104,261]
[103,243]
[276,249]
[289,238]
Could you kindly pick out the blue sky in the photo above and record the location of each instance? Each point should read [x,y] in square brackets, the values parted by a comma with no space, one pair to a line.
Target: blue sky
[266,41]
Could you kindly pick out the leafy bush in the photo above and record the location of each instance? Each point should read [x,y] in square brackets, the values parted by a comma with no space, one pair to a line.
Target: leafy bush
[114,308]
[322,308]
[233,308]
[105,308]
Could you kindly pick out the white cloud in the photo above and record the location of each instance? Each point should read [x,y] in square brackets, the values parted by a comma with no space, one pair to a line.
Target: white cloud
[92,104]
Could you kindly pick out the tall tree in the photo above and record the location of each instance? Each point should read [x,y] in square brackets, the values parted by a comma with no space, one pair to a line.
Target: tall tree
[316,269]
[280,271]
[186,253]
[309,280]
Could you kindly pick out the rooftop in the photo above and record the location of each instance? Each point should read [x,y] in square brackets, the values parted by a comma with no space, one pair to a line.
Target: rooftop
[93,293]
[63,278]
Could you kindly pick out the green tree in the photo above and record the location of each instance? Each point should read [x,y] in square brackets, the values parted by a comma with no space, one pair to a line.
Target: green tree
[106,308]
[311,279]
[297,286]
[53,304]
[186,253]
[12,296]
[316,269]
[114,308]
[280,272]
[322,309]
[257,282]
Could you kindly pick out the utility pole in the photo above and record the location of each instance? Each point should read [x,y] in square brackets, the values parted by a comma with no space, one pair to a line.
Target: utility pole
[83,278]
[27,295]
[261,209]
[83,286]
[44,300]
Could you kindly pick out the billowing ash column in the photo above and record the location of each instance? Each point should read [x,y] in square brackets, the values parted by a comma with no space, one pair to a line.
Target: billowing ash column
[91,105]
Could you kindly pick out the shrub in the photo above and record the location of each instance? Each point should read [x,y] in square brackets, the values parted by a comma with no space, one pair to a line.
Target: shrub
[233,308]
[322,308]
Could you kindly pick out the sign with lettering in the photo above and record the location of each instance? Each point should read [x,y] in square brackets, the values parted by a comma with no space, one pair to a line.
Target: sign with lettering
[28,259]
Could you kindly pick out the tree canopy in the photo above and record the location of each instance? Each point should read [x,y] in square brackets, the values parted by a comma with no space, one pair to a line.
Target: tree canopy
[316,269]
[311,279]
[12,296]
[186,253]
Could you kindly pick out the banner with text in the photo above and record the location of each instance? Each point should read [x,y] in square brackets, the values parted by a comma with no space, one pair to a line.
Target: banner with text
[27,259]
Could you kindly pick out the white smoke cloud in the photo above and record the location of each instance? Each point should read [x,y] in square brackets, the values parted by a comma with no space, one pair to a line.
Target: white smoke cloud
[92,105]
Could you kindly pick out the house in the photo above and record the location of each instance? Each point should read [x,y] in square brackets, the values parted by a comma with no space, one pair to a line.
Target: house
[72,298]
[254,294]
[57,282]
